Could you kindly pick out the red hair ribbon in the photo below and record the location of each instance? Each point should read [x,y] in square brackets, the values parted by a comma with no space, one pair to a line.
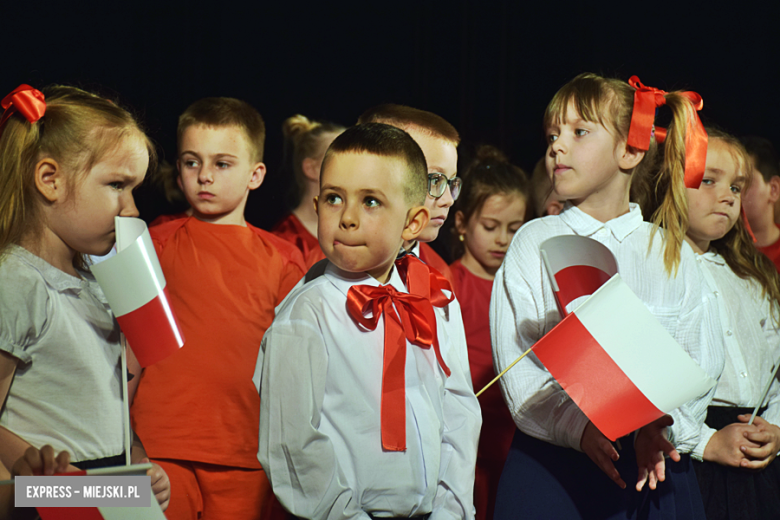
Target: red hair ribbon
[646,100]
[26,100]
[407,317]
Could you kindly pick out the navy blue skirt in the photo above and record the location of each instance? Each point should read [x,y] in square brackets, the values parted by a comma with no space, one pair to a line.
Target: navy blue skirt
[544,481]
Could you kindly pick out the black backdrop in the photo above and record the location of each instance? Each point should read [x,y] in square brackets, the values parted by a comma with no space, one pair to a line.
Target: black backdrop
[488,67]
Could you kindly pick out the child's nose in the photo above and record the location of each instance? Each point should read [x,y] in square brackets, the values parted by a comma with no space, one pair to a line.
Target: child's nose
[205,176]
[446,200]
[129,208]
[349,219]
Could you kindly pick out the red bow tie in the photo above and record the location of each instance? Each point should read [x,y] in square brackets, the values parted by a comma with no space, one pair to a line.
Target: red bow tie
[407,317]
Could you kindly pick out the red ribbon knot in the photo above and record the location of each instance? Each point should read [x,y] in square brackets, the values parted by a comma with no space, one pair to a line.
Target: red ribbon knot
[646,100]
[28,101]
[406,317]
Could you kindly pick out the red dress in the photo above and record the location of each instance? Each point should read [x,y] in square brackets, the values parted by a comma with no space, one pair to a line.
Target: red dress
[773,252]
[498,428]
[291,230]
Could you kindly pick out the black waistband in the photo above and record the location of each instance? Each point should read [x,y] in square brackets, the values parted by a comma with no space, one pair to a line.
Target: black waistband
[719,417]
[105,462]
[417,517]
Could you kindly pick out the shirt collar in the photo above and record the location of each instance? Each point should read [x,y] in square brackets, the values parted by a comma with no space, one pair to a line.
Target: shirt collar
[59,280]
[585,225]
[713,257]
[343,280]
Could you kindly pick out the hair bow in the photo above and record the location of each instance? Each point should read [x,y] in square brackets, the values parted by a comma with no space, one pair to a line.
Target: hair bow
[28,101]
[646,101]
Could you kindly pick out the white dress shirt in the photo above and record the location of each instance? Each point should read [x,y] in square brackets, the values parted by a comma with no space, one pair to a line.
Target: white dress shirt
[523,309]
[320,377]
[751,339]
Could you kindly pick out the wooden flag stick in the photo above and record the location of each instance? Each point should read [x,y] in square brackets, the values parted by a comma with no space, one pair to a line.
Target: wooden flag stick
[504,371]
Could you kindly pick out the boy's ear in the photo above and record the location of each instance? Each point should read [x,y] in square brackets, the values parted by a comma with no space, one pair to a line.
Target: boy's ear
[774,189]
[416,220]
[631,157]
[178,175]
[50,180]
[316,201]
[460,222]
[258,175]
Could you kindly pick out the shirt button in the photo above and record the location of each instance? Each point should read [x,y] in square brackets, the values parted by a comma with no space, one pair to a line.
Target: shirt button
[716,293]
[728,332]
[743,374]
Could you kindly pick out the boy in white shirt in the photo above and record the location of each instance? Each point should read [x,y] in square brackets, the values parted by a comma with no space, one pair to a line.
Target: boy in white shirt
[356,420]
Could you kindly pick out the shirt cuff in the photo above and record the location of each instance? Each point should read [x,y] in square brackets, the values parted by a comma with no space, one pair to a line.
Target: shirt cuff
[704,438]
[575,427]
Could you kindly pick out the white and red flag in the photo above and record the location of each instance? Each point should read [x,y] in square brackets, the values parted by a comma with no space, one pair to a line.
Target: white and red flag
[135,287]
[577,266]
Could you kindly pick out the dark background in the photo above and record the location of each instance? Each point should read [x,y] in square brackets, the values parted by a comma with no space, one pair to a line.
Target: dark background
[489,67]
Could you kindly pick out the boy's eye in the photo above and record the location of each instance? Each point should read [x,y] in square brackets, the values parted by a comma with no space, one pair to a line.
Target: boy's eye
[736,189]
[371,202]
[223,165]
[191,164]
[580,132]
[332,198]
[552,138]
[116,185]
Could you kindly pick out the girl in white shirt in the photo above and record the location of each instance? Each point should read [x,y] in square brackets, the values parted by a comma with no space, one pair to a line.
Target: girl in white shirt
[560,465]
[69,161]
[738,475]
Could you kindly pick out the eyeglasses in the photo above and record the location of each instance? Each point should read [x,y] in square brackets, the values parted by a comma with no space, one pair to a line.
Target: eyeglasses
[438,182]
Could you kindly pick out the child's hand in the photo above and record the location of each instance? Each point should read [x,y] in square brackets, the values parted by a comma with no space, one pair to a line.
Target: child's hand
[601,451]
[651,444]
[161,486]
[42,462]
[768,439]
[725,445]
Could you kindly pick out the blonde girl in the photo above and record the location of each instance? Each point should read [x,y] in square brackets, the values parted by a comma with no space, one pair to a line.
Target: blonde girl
[69,161]
[560,465]
[736,461]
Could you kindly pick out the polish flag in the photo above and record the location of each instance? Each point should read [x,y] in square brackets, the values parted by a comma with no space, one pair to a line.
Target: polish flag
[611,355]
[577,266]
[134,285]
[153,512]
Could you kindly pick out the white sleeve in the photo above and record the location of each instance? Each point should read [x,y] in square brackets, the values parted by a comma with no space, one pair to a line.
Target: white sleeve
[462,420]
[699,333]
[518,318]
[299,460]
[772,334]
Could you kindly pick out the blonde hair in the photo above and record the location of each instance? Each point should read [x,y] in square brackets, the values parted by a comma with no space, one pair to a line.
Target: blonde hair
[736,246]
[78,130]
[302,139]
[610,103]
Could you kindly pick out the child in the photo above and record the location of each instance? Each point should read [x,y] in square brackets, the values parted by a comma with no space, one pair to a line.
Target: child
[439,142]
[760,198]
[747,287]
[34,461]
[550,470]
[305,144]
[196,410]
[69,161]
[546,201]
[493,206]
[341,437]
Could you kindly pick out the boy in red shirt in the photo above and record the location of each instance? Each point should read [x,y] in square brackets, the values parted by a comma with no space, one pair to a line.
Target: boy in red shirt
[760,198]
[439,141]
[198,408]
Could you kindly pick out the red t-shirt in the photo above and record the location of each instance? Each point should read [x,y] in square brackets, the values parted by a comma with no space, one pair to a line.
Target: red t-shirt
[429,256]
[162,219]
[498,428]
[773,252]
[224,282]
[291,230]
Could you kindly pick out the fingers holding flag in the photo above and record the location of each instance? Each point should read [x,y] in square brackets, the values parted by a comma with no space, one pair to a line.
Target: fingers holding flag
[652,446]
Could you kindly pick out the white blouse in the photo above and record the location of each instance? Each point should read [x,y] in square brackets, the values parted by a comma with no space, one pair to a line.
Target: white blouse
[523,309]
[752,343]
